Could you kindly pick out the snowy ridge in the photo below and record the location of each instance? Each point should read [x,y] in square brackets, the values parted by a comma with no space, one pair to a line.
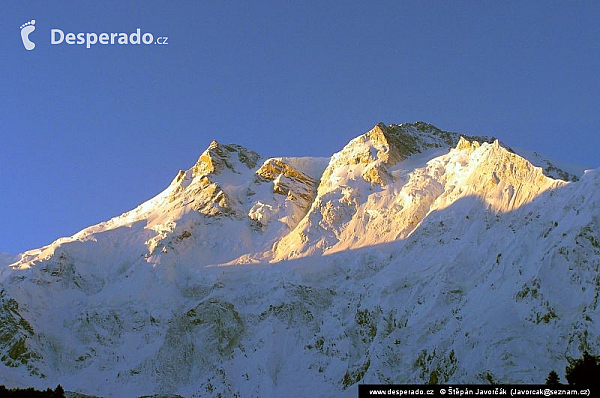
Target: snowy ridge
[552,168]
[412,255]
[368,195]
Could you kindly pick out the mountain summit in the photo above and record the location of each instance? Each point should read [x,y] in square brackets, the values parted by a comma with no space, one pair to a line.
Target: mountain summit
[412,255]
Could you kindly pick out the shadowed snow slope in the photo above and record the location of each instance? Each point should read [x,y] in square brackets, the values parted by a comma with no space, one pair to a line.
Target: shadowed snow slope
[412,255]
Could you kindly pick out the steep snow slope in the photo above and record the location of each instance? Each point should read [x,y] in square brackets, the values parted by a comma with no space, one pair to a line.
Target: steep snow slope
[446,259]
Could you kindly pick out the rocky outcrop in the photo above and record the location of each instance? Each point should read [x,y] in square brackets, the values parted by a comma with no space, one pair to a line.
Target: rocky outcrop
[218,157]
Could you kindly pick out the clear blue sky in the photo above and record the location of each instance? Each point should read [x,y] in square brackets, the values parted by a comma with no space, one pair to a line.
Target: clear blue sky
[87,134]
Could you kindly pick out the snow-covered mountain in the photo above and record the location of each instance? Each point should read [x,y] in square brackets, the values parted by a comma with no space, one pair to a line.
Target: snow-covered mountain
[412,255]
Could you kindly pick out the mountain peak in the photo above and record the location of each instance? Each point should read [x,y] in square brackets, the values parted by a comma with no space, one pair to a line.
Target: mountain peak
[372,153]
[219,157]
[463,143]
[213,144]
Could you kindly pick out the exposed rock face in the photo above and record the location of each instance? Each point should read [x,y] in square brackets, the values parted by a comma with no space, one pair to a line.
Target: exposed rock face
[413,255]
[287,181]
[218,157]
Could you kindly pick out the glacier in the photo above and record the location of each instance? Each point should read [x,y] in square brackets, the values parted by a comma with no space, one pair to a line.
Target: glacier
[412,255]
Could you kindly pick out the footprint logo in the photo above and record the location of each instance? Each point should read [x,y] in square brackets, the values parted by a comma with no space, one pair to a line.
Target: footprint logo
[26,29]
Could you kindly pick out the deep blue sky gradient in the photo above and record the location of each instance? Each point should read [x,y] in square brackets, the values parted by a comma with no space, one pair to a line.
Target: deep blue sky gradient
[87,134]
